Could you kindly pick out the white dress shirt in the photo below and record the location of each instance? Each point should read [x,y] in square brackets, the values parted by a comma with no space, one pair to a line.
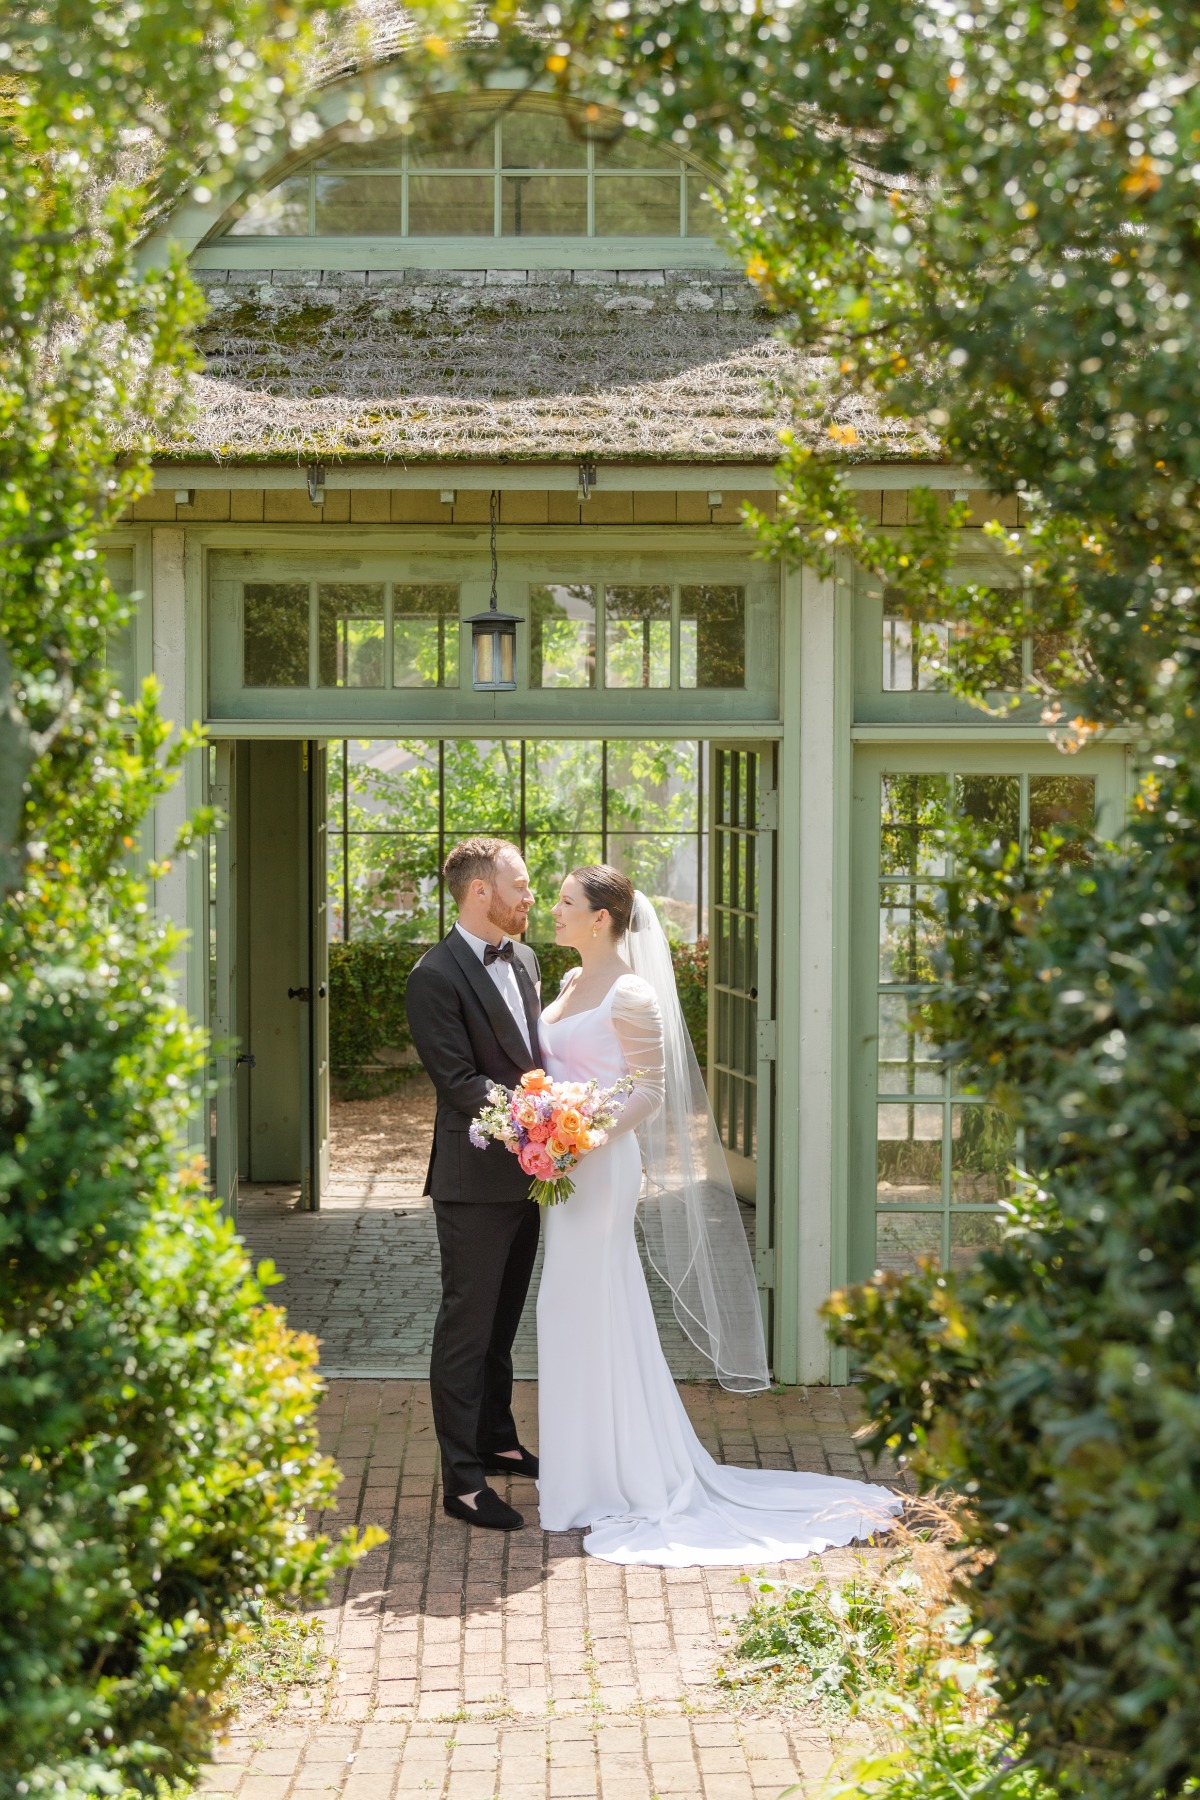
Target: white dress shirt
[504,975]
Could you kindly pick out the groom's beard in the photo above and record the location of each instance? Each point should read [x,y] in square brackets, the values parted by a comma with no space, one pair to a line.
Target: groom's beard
[511,920]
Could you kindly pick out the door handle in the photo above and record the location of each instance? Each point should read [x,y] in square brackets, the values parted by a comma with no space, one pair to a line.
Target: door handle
[321,992]
[250,1061]
[299,993]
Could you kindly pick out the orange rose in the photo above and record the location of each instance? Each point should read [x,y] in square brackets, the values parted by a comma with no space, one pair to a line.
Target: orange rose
[536,1081]
[569,1122]
[558,1149]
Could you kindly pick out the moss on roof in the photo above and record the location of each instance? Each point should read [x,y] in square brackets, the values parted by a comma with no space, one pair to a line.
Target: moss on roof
[676,366]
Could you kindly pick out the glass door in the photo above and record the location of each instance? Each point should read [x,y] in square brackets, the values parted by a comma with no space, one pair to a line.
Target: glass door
[741,980]
[223,1009]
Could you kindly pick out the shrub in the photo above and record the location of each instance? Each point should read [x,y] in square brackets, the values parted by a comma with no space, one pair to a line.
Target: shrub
[367,978]
[1056,1380]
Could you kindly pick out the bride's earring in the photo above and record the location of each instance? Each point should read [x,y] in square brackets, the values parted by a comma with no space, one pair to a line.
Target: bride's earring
[595,931]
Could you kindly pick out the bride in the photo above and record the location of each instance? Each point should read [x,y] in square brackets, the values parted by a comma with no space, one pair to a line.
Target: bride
[618,1452]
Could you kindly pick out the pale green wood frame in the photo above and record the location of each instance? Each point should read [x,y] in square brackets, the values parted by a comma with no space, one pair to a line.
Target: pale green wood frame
[958,753]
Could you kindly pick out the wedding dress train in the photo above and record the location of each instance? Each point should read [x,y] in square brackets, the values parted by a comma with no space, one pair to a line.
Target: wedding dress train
[618,1452]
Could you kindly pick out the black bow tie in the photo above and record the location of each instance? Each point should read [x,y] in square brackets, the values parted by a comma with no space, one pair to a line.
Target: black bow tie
[502,951]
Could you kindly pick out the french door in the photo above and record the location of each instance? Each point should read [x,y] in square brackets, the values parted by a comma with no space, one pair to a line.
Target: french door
[314,915]
[223,902]
[741,980]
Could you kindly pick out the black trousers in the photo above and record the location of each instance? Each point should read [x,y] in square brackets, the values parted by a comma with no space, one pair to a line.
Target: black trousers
[487,1251]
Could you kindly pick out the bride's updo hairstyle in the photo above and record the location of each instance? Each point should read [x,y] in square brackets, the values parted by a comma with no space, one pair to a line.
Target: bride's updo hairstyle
[607,887]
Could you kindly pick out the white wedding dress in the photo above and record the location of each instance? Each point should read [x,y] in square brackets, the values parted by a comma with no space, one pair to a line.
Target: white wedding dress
[617,1450]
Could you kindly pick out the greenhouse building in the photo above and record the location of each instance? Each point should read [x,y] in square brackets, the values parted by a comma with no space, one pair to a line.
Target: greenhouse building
[502,366]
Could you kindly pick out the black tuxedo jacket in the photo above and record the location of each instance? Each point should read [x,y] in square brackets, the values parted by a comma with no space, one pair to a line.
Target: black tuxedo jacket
[467,1038]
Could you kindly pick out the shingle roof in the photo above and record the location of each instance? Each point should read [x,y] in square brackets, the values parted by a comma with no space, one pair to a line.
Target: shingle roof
[674,365]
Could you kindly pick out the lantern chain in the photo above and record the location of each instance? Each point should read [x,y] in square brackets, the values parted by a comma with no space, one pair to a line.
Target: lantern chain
[493,515]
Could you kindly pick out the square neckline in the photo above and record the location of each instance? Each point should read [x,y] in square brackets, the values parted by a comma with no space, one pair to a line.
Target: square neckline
[585,1011]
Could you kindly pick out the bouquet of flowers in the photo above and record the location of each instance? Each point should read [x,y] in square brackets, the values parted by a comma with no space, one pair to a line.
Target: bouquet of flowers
[548,1125]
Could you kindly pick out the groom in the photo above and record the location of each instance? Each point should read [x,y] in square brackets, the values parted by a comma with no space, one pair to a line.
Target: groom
[472,1005]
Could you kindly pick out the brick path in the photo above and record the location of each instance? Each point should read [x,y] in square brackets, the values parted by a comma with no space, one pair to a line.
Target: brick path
[362,1275]
[477,1666]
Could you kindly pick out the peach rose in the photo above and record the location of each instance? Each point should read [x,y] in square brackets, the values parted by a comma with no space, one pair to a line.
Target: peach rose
[569,1122]
[558,1148]
[525,1114]
[537,1132]
[536,1081]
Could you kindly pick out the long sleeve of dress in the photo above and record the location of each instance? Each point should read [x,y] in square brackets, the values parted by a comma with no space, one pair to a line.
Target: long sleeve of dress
[637,1021]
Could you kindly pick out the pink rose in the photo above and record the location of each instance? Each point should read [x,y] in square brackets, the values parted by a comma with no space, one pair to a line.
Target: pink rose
[535,1162]
[538,1134]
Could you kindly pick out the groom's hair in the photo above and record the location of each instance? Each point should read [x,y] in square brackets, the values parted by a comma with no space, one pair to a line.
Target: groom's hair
[474,859]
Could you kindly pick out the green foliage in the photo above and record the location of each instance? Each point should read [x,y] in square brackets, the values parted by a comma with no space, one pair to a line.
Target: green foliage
[1056,1380]
[367,978]
[822,1644]
[158,1449]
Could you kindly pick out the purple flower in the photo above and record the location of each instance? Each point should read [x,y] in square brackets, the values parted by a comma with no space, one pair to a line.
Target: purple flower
[477,1135]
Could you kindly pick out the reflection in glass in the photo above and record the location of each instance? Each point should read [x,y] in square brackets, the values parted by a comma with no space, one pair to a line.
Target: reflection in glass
[562,636]
[637,206]
[451,206]
[543,205]
[982,1146]
[275,634]
[911,932]
[909,1062]
[913,825]
[359,205]
[425,635]
[455,138]
[992,803]
[281,212]
[562,785]
[712,624]
[637,637]
[634,150]
[533,138]
[911,664]
[903,1239]
[972,1232]
[1066,804]
[908,1157]
[702,217]
[350,634]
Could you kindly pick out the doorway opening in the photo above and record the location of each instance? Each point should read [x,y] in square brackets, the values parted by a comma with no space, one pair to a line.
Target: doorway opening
[326,889]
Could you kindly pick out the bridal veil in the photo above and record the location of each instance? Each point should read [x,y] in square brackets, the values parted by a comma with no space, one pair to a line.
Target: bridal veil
[691,1224]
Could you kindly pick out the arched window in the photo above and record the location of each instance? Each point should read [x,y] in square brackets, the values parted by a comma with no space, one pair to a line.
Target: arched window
[485,171]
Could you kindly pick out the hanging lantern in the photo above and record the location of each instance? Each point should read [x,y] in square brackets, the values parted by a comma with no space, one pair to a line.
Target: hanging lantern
[494,633]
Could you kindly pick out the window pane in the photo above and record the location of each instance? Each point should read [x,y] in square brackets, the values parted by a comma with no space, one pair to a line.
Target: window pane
[333,797]
[913,825]
[911,932]
[637,206]
[550,860]
[425,636]
[908,1060]
[652,784]
[531,138]
[634,150]
[275,634]
[394,886]
[562,636]
[719,617]
[483,788]
[281,212]
[983,1144]
[562,785]
[372,154]
[908,1155]
[451,206]
[664,868]
[972,1232]
[637,637]
[901,1239]
[455,138]
[1066,802]
[394,784]
[350,622]
[335,893]
[1047,648]
[543,205]
[703,220]
[993,803]
[910,663]
[359,204]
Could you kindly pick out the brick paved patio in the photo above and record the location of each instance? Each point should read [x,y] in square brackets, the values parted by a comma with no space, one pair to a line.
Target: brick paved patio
[475,1666]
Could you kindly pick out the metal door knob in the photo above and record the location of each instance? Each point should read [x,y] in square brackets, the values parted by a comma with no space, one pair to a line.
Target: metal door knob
[299,993]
